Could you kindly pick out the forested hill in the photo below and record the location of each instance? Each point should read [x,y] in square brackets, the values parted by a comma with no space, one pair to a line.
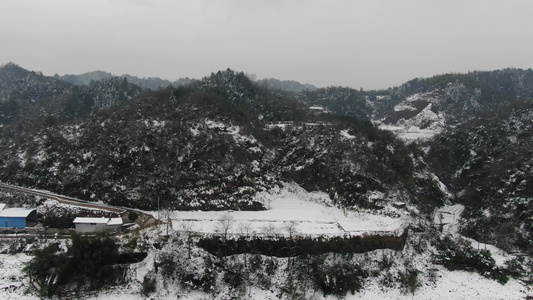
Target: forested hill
[452,98]
[152,83]
[216,143]
[486,162]
[30,101]
[212,144]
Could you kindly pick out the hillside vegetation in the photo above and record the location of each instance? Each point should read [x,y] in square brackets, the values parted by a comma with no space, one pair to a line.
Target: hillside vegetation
[216,142]
[212,144]
[229,143]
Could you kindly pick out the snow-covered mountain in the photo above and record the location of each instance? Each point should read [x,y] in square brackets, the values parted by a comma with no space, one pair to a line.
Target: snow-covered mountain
[210,145]
[226,143]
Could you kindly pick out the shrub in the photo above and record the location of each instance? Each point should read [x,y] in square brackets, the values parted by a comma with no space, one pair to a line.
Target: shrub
[256,263]
[234,279]
[43,270]
[460,255]
[149,284]
[193,278]
[516,267]
[61,221]
[132,216]
[209,277]
[88,262]
[338,279]
[409,280]
[169,265]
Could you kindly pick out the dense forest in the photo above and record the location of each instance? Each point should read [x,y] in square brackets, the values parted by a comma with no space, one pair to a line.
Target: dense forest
[215,143]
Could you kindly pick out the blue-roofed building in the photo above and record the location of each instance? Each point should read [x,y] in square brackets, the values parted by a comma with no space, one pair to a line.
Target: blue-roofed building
[18,217]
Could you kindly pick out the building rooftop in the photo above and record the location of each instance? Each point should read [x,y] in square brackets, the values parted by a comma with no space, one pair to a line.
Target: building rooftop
[16,212]
[115,221]
[108,221]
[81,220]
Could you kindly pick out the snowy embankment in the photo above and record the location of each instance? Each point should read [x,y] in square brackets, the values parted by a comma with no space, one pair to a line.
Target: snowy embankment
[291,211]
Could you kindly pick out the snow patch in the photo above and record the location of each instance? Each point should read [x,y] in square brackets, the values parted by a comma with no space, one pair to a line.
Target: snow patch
[345,134]
[411,133]
[311,213]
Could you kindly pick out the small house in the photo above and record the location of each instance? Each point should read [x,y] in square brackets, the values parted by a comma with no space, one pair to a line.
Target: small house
[85,225]
[18,217]
[398,204]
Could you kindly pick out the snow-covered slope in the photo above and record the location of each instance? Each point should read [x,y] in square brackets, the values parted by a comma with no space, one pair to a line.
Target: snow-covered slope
[416,118]
[176,268]
[226,143]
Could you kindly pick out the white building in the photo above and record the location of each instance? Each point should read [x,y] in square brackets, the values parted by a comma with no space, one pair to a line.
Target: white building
[84,225]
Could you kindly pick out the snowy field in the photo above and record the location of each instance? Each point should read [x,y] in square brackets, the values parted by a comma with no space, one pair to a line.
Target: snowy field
[291,211]
[411,133]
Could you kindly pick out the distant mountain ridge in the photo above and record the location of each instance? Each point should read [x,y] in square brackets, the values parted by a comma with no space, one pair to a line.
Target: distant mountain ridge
[287,85]
[152,83]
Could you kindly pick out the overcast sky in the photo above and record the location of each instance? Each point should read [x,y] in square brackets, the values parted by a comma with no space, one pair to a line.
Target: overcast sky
[370,44]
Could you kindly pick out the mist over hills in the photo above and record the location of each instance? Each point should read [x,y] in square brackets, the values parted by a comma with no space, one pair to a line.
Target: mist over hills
[215,142]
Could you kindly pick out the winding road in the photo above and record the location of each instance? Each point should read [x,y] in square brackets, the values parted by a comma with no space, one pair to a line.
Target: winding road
[62,199]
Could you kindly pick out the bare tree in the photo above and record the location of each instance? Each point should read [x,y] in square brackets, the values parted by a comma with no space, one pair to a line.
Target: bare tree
[223,227]
[269,232]
[245,230]
[225,222]
[291,229]
[165,214]
[187,228]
